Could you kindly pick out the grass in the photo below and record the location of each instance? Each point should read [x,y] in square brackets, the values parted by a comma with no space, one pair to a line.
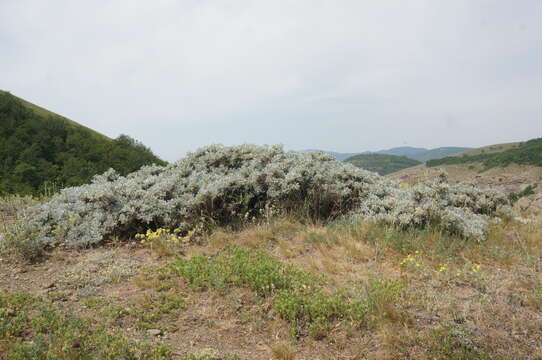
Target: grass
[283,351]
[33,329]
[300,291]
[299,297]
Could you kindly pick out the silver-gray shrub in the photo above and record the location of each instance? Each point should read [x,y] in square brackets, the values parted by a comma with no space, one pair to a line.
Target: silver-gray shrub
[223,185]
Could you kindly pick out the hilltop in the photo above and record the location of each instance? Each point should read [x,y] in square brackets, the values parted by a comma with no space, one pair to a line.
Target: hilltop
[381,163]
[42,151]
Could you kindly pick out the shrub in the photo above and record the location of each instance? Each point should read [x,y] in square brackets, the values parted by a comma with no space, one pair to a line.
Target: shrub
[227,185]
[529,190]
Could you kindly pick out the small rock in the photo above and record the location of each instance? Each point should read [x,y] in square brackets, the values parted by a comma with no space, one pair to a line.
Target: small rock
[154,332]
[50,285]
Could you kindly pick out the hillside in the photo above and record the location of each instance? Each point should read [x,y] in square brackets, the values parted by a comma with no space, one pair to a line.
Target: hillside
[381,163]
[223,256]
[509,167]
[41,150]
[438,153]
[419,154]
[526,153]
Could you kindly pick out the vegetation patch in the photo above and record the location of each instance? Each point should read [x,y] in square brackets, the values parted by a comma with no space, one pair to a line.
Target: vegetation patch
[43,152]
[229,186]
[527,153]
[298,297]
[528,190]
[33,329]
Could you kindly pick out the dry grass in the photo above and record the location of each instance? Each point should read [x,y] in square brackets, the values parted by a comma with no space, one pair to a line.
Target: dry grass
[465,300]
[283,351]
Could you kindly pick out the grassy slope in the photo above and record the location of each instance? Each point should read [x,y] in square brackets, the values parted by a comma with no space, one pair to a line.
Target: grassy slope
[511,178]
[526,153]
[381,163]
[47,113]
[293,291]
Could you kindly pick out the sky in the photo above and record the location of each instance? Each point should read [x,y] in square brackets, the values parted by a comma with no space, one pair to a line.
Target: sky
[346,76]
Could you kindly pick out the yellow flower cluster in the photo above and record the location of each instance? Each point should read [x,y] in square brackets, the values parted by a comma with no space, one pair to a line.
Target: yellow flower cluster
[475,268]
[443,267]
[160,234]
[411,260]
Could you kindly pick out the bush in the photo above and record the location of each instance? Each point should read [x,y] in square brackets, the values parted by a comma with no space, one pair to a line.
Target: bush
[226,185]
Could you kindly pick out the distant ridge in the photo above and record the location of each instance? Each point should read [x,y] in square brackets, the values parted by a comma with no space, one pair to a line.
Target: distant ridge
[382,164]
[415,153]
[337,155]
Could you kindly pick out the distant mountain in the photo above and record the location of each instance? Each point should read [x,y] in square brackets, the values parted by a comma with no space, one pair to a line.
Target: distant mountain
[382,164]
[40,149]
[419,154]
[407,151]
[438,153]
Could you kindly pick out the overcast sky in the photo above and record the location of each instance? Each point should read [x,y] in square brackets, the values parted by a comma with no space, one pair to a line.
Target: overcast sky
[338,75]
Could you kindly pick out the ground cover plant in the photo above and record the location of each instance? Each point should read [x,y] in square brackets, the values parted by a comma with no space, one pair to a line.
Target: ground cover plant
[31,328]
[283,289]
[217,186]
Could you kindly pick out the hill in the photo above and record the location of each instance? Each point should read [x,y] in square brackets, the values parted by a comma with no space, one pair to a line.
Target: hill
[510,167]
[42,150]
[438,153]
[382,164]
[419,154]
[527,153]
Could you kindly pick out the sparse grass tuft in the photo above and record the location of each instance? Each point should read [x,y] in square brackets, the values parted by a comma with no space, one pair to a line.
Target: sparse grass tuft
[283,351]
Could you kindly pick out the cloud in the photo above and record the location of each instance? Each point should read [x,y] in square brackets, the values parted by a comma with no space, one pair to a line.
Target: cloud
[341,75]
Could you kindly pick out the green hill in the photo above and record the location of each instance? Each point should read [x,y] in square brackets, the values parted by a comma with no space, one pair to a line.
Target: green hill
[526,153]
[382,164]
[40,149]
[438,153]
[420,154]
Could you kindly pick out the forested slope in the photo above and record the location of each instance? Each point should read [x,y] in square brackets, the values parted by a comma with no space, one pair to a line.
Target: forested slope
[40,150]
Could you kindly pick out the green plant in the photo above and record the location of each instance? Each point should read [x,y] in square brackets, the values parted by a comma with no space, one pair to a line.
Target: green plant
[298,297]
[454,342]
[33,329]
[528,190]
[153,308]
